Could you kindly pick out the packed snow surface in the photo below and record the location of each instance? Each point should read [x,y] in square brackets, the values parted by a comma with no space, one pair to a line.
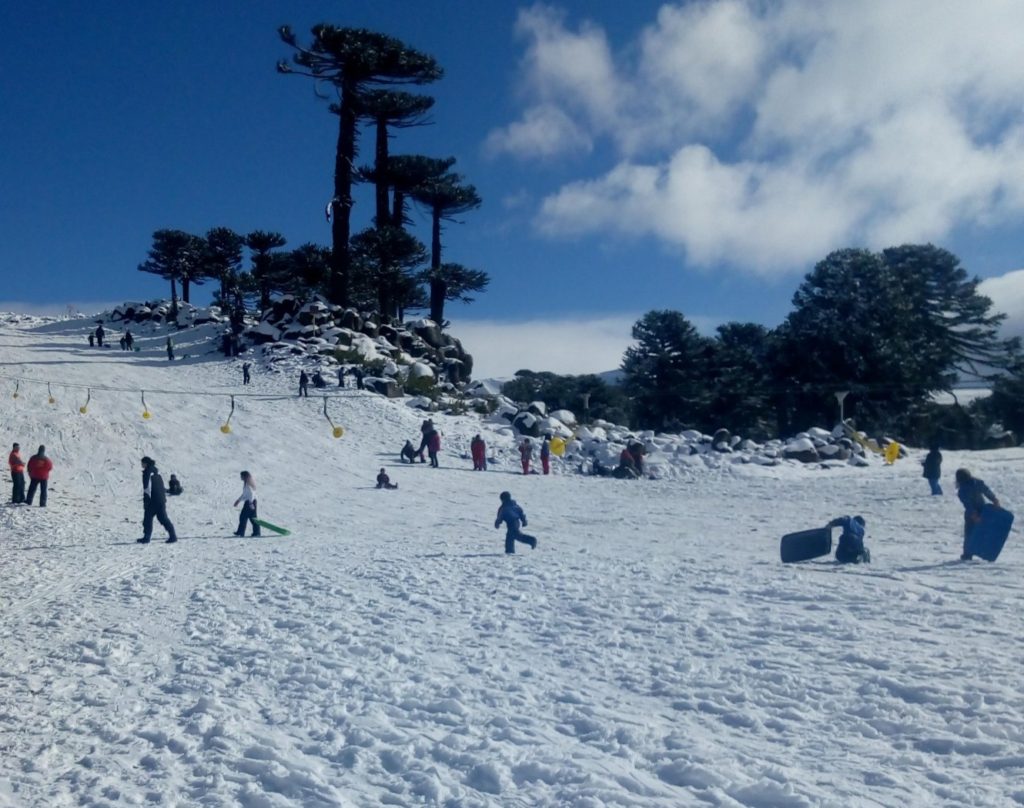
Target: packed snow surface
[652,651]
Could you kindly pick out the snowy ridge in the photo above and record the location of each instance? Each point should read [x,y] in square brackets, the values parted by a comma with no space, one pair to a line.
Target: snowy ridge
[651,652]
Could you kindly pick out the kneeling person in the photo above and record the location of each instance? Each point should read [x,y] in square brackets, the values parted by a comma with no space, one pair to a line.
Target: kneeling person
[851,549]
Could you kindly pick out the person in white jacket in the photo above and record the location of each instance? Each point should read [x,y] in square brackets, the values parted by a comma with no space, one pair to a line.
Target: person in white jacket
[248,498]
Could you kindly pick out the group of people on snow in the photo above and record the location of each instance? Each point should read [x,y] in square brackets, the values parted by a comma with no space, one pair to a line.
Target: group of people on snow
[39,468]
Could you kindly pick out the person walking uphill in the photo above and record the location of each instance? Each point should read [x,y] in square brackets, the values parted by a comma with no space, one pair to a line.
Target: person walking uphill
[154,503]
[933,469]
[303,384]
[512,515]
[17,475]
[39,468]
[248,498]
[972,493]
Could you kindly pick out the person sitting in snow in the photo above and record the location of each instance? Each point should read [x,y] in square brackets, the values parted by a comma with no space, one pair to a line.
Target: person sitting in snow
[851,549]
[383,481]
[174,488]
[318,380]
[408,454]
[512,515]
[626,470]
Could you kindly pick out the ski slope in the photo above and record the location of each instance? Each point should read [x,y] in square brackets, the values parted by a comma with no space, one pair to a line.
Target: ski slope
[651,652]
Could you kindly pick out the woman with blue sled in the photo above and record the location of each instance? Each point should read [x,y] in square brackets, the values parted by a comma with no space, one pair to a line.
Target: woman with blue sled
[851,549]
[512,515]
[972,493]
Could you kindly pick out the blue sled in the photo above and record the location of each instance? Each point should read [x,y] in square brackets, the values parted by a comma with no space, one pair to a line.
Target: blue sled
[989,535]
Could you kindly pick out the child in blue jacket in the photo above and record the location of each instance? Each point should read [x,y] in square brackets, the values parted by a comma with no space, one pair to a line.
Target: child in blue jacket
[851,549]
[512,515]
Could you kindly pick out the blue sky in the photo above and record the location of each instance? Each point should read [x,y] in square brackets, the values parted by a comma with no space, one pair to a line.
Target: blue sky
[694,156]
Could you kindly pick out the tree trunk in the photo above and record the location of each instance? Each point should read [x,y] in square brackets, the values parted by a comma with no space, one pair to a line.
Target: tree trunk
[341,205]
[380,169]
[174,298]
[185,289]
[437,286]
[398,209]
[264,296]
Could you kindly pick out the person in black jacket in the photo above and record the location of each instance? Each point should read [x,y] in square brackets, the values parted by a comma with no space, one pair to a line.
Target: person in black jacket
[154,502]
[933,469]
[303,384]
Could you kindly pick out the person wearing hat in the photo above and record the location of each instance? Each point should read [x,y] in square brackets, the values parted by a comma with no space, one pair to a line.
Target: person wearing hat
[512,515]
[154,503]
[17,475]
[851,549]
[39,468]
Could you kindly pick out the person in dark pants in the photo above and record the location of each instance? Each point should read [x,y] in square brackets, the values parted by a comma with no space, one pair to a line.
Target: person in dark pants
[433,446]
[851,549]
[248,500]
[545,454]
[246,378]
[129,340]
[341,377]
[408,454]
[17,475]
[170,350]
[318,381]
[99,335]
[933,469]
[92,340]
[383,481]
[425,429]
[512,515]
[154,503]
[358,373]
[39,468]
[303,384]
[972,493]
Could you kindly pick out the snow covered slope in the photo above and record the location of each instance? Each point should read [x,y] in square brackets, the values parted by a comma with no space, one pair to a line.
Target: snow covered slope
[651,652]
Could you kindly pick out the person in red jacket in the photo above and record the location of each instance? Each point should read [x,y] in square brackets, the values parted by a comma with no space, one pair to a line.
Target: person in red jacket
[479,451]
[39,468]
[525,453]
[17,475]
[433,446]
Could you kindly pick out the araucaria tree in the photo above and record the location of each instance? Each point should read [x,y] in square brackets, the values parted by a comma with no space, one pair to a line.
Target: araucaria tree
[667,371]
[175,256]
[445,197]
[261,244]
[352,61]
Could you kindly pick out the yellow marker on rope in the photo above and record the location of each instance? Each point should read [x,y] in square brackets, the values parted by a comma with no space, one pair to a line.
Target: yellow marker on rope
[49,392]
[892,453]
[85,407]
[226,426]
[337,431]
[145,410]
[17,385]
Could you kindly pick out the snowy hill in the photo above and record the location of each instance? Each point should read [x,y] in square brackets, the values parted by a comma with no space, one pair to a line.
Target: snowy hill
[651,652]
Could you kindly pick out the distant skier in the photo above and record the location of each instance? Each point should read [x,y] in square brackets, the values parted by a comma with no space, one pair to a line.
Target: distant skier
[92,339]
[358,373]
[154,503]
[972,493]
[39,468]
[174,488]
[17,466]
[545,454]
[851,549]
[341,377]
[246,378]
[170,350]
[408,454]
[303,384]
[99,335]
[129,340]
[123,343]
[933,469]
[513,516]
[478,449]
[383,481]
[525,454]
[248,500]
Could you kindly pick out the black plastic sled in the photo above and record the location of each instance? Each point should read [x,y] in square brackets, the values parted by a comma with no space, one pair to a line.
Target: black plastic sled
[805,544]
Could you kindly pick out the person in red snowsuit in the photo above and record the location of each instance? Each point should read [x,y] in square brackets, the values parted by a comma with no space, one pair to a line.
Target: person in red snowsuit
[478,449]
[525,453]
[39,468]
[433,446]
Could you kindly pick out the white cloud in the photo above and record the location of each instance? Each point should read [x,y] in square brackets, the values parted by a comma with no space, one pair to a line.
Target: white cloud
[1007,295]
[763,135]
[571,347]
[544,131]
